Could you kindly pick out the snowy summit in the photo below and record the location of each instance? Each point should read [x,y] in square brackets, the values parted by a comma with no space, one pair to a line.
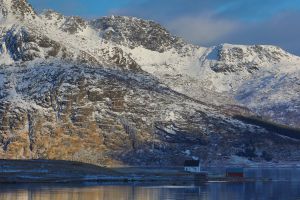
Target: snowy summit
[123,90]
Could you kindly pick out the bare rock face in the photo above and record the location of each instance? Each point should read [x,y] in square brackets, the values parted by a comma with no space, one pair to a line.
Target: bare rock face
[20,9]
[74,25]
[74,90]
[117,56]
[109,117]
[71,25]
[133,32]
[234,58]
[24,45]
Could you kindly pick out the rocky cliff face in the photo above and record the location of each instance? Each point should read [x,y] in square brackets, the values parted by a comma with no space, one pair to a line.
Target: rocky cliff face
[231,59]
[101,92]
[133,32]
[222,74]
[19,9]
[109,117]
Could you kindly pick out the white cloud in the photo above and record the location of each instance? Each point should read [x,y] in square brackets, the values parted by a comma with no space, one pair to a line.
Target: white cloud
[202,29]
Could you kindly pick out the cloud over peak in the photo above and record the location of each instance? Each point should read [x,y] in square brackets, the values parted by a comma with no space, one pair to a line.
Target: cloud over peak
[202,29]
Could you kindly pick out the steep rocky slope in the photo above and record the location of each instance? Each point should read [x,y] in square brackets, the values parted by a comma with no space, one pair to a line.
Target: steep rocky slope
[133,32]
[106,116]
[99,92]
[260,77]
[226,74]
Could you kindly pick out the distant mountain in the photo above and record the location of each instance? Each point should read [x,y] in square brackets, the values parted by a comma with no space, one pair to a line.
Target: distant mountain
[263,78]
[122,90]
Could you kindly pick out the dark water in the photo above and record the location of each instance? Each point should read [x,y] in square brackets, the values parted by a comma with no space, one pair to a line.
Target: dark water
[285,186]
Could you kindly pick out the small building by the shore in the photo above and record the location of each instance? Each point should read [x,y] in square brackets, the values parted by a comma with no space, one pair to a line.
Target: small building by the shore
[192,166]
[235,172]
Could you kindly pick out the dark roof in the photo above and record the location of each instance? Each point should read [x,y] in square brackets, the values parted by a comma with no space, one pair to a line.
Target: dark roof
[235,170]
[191,163]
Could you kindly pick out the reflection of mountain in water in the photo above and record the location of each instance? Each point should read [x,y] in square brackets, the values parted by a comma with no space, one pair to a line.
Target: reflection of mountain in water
[278,190]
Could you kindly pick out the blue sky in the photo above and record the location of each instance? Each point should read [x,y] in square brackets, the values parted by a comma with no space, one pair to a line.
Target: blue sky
[204,22]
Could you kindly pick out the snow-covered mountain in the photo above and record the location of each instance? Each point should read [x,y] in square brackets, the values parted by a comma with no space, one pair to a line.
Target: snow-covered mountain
[262,78]
[122,90]
[222,74]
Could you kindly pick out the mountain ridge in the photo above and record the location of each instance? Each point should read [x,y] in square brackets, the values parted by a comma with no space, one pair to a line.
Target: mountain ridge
[115,91]
[195,64]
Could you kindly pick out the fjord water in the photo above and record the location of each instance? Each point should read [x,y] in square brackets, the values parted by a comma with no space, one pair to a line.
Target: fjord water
[285,186]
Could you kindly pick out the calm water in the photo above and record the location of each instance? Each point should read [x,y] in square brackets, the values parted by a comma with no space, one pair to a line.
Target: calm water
[286,186]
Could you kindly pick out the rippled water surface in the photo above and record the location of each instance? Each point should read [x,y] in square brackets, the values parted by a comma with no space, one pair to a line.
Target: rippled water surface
[285,186]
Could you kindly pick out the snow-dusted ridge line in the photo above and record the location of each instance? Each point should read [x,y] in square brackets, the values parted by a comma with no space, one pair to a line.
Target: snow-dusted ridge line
[220,74]
[125,90]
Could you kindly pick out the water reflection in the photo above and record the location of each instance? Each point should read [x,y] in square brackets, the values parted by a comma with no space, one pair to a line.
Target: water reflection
[286,186]
[94,193]
[211,191]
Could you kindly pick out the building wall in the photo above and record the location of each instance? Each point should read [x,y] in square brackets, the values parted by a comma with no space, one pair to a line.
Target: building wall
[192,169]
[234,174]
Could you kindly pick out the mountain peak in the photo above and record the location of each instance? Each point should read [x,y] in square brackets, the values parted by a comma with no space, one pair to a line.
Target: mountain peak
[236,58]
[19,9]
[134,32]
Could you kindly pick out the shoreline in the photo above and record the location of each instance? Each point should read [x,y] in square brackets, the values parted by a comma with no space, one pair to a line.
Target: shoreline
[53,171]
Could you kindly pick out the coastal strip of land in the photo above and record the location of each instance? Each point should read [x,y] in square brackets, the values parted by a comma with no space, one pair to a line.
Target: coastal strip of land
[55,171]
